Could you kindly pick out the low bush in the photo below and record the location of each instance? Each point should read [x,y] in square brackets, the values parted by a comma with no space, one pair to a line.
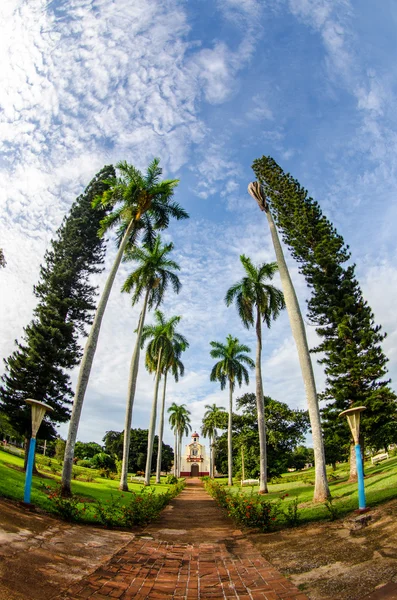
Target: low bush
[66,507]
[331,508]
[171,479]
[249,510]
[123,510]
[291,513]
[103,461]
[85,462]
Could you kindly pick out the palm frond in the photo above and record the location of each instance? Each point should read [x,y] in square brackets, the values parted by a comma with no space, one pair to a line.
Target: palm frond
[153,173]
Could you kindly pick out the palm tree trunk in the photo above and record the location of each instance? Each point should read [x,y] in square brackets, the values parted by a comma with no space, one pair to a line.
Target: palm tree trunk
[229,438]
[211,455]
[176,454]
[152,425]
[86,365]
[161,431]
[131,396]
[242,463]
[321,489]
[260,406]
[179,453]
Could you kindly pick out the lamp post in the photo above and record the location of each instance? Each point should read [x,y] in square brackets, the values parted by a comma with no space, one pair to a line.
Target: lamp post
[38,411]
[353,418]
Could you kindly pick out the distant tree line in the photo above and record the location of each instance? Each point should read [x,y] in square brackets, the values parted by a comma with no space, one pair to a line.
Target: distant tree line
[286,430]
[113,445]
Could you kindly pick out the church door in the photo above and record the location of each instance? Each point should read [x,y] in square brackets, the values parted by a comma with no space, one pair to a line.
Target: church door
[194,472]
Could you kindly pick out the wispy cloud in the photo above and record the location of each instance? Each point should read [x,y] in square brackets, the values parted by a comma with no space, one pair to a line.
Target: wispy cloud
[83,85]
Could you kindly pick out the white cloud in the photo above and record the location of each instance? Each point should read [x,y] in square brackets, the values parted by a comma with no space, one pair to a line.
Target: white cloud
[214,70]
[260,110]
[216,171]
[84,84]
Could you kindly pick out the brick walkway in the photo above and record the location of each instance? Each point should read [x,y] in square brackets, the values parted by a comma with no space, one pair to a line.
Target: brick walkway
[192,551]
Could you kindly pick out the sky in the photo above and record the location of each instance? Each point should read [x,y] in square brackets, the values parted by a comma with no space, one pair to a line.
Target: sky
[208,86]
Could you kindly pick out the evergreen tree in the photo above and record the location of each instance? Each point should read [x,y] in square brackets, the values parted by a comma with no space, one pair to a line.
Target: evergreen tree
[66,299]
[3,261]
[350,341]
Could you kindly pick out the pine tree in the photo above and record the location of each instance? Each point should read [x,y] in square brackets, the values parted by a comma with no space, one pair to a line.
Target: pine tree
[66,298]
[350,341]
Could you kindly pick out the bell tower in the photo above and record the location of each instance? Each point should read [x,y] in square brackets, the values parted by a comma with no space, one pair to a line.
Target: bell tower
[195,461]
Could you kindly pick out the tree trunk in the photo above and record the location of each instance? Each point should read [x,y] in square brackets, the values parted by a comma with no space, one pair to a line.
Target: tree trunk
[161,431]
[176,454]
[86,364]
[260,406]
[353,465]
[211,457]
[179,453]
[229,438]
[242,464]
[152,425]
[131,396]
[321,489]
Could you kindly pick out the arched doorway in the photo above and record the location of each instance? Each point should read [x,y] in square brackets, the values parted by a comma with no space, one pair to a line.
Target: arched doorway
[194,471]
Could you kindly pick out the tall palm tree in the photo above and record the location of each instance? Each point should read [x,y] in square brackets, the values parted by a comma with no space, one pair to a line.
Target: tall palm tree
[257,301]
[230,368]
[173,419]
[175,366]
[139,204]
[211,422]
[162,336]
[321,489]
[179,420]
[151,278]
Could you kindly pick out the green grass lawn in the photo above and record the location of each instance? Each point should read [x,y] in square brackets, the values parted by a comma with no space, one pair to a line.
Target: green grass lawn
[12,481]
[380,485]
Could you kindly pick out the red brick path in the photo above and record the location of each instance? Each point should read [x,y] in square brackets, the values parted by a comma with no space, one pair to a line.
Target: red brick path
[192,551]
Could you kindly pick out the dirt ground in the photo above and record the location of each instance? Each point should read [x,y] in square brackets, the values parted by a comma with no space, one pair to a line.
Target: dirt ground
[340,560]
[40,556]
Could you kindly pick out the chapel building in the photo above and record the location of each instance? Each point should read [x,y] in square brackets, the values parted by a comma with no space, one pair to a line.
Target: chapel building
[195,462]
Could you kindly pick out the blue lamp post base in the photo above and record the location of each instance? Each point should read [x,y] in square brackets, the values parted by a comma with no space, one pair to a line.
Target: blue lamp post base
[29,471]
[360,478]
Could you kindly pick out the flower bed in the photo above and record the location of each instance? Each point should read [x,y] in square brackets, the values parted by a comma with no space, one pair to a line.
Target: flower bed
[254,510]
[122,510]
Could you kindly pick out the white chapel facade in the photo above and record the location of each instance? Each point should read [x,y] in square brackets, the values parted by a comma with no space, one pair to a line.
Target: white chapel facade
[195,462]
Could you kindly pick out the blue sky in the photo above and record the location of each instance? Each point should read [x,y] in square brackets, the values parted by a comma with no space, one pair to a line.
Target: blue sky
[208,86]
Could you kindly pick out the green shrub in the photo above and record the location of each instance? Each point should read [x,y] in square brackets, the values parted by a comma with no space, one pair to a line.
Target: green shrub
[291,513]
[109,513]
[171,479]
[85,462]
[67,508]
[88,477]
[103,461]
[143,506]
[249,510]
[331,508]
